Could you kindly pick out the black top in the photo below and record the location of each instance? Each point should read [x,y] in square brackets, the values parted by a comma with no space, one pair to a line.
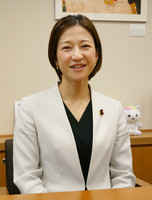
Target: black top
[83,134]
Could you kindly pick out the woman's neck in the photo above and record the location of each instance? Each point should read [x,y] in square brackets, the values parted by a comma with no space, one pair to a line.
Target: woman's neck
[76,96]
[75,92]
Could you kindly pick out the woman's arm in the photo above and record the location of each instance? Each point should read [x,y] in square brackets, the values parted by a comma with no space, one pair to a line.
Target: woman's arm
[121,159]
[27,169]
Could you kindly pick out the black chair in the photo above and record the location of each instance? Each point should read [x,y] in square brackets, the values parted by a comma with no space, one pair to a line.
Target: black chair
[12,188]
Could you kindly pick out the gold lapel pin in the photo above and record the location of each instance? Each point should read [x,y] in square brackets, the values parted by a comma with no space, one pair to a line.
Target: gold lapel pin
[101,112]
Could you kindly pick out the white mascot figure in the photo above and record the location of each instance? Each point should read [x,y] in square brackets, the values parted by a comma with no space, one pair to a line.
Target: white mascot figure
[133,116]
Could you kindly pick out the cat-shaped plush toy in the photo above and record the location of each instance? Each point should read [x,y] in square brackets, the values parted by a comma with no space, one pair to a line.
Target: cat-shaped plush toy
[133,116]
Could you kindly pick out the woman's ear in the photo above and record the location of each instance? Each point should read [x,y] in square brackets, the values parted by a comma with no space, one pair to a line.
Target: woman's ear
[96,57]
[56,63]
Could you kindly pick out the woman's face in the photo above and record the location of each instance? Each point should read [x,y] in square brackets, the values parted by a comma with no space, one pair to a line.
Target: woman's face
[76,54]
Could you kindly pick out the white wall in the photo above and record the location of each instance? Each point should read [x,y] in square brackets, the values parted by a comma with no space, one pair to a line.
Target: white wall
[25,26]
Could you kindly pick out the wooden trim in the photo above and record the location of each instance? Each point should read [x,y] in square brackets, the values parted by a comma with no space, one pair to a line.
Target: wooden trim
[146,130]
[6,135]
[141,183]
[144,139]
[2,141]
[3,191]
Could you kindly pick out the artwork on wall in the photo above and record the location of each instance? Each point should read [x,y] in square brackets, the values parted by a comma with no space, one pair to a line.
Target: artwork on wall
[104,10]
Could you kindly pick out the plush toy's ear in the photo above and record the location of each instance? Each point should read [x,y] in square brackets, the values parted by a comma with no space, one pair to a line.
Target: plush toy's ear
[138,107]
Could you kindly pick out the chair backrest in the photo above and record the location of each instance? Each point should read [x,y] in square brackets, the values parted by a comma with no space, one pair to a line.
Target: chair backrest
[12,188]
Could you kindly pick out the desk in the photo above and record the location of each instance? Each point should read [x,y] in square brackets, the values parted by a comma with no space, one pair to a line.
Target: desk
[144,139]
[111,194]
[141,147]
[2,155]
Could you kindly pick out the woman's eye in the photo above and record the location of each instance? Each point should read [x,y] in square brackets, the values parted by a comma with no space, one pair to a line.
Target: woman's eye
[86,46]
[66,47]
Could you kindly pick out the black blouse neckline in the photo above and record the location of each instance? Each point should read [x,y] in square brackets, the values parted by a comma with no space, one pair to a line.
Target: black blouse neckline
[83,134]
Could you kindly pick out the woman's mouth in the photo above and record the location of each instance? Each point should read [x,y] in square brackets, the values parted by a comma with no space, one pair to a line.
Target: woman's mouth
[77,66]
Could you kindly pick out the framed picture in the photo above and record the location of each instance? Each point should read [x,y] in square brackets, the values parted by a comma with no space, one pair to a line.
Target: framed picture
[104,10]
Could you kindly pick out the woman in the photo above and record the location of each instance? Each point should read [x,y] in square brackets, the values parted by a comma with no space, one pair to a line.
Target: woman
[70,137]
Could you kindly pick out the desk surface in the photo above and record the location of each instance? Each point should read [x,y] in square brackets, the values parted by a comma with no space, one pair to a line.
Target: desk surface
[144,139]
[139,193]
[2,141]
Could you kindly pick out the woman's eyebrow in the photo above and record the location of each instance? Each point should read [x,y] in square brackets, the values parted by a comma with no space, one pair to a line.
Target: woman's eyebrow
[69,42]
[86,40]
[64,42]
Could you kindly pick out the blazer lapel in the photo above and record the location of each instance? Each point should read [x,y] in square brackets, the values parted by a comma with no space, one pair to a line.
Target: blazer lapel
[67,146]
[98,122]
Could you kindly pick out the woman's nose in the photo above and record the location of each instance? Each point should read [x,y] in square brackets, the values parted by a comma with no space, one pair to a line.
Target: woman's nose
[77,54]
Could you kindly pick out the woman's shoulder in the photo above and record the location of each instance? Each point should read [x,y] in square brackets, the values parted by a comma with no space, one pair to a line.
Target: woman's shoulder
[42,93]
[41,96]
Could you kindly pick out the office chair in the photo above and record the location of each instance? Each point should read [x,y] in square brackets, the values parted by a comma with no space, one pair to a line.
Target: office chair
[12,188]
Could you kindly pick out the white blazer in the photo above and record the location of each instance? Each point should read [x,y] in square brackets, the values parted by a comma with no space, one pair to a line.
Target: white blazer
[45,153]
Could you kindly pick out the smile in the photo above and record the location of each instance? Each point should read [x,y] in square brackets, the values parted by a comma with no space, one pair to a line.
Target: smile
[77,66]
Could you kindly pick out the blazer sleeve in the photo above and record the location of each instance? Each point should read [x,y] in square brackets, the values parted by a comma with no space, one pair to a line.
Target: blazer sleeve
[121,160]
[27,169]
